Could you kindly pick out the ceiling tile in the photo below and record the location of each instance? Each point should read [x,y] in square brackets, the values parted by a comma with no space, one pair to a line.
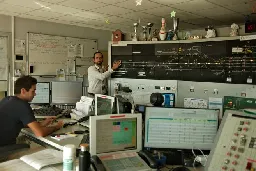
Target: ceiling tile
[110,1]
[228,3]
[72,18]
[244,8]
[83,4]
[194,5]
[53,1]
[10,13]
[64,9]
[8,8]
[231,18]
[29,3]
[132,5]
[169,2]
[112,10]
[204,22]
[136,16]
[44,13]
[116,19]
[33,17]
[214,12]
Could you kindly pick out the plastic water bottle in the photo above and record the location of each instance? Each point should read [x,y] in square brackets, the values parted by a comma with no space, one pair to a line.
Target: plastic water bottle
[84,158]
[69,157]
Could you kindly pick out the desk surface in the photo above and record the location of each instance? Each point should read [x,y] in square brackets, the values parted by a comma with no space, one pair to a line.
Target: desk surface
[59,144]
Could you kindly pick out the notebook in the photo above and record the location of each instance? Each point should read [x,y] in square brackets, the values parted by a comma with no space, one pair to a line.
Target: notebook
[42,160]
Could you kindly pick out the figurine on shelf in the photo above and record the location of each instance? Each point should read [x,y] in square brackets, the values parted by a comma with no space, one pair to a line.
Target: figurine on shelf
[234,29]
[155,35]
[162,33]
[210,32]
[170,35]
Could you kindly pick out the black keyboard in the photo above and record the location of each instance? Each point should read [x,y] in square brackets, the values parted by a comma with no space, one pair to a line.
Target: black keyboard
[48,111]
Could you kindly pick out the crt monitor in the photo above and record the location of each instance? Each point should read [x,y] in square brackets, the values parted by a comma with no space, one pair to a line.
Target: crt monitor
[42,93]
[66,92]
[178,128]
[114,133]
[104,104]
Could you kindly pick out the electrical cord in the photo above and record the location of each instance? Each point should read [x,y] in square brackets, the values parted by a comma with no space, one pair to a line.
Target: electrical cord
[198,158]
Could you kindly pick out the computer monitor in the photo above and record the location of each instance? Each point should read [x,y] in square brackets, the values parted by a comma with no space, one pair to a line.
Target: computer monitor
[66,92]
[104,104]
[115,133]
[179,128]
[42,93]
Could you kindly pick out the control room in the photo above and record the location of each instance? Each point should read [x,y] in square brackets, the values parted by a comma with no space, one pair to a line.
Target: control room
[127,85]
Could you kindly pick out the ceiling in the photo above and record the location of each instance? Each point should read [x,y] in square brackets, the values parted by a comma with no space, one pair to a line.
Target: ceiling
[121,14]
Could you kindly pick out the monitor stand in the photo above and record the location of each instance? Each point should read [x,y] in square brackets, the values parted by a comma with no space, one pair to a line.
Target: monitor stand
[182,168]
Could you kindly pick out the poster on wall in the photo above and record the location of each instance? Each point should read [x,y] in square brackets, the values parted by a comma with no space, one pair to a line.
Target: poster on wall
[20,47]
[75,50]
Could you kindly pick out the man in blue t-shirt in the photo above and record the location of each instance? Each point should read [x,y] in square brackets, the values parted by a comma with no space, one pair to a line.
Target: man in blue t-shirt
[16,113]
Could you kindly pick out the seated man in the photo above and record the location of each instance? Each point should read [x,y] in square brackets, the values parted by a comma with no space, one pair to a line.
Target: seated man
[16,113]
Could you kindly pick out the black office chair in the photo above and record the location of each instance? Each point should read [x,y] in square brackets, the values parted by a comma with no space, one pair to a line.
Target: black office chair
[7,150]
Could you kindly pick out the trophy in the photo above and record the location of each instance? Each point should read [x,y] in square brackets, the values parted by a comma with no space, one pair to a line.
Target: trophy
[175,28]
[144,33]
[150,25]
[135,25]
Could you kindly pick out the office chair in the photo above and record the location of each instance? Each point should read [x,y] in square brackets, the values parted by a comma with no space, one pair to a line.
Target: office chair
[7,150]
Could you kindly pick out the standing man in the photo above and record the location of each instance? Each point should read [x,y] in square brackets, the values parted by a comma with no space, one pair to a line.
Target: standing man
[16,113]
[97,75]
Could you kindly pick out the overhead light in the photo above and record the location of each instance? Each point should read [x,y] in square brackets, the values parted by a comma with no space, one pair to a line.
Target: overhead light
[41,5]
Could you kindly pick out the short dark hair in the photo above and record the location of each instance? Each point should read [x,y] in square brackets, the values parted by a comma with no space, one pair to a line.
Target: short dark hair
[25,82]
[97,53]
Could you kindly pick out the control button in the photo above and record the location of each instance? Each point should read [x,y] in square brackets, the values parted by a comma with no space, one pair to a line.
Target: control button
[242,141]
[240,150]
[242,136]
[233,148]
[224,168]
[228,154]
[236,156]
[234,162]
[248,166]
[239,129]
[234,141]
[245,129]
[247,123]
[226,161]
[232,170]
[241,122]
[236,134]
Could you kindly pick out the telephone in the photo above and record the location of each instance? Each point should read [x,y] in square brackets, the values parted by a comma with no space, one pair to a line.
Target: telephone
[145,155]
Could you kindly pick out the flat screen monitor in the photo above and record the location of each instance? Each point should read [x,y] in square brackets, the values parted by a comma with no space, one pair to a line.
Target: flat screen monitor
[115,133]
[66,92]
[42,93]
[177,128]
[103,104]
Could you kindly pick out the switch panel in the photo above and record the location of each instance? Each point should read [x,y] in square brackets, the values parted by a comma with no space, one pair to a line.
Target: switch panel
[235,144]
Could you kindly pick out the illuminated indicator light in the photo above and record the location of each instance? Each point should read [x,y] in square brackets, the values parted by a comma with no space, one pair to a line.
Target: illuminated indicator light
[118,116]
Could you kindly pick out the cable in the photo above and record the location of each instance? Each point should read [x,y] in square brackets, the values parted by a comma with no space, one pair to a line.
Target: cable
[198,158]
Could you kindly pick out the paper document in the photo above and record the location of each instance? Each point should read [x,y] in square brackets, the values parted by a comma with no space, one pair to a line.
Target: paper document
[43,158]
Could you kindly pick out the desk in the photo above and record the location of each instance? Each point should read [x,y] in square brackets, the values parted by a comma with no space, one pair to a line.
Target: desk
[55,143]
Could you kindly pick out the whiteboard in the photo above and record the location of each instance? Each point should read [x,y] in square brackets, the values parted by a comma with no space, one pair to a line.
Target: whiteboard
[3,58]
[47,53]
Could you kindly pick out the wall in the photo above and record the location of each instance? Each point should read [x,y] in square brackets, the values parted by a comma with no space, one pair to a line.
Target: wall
[22,26]
[5,23]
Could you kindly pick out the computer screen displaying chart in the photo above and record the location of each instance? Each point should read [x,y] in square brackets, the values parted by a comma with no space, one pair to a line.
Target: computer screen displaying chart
[180,128]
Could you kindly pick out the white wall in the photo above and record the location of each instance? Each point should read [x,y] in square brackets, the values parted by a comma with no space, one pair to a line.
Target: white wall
[22,26]
[5,23]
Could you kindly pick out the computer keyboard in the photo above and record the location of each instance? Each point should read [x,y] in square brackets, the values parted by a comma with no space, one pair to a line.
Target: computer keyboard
[133,163]
[48,111]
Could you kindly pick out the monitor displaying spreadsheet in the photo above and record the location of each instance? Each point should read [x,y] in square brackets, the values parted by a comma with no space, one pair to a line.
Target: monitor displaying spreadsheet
[116,135]
[180,128]
[42,93]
